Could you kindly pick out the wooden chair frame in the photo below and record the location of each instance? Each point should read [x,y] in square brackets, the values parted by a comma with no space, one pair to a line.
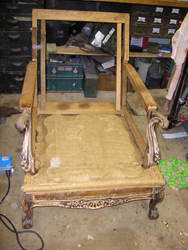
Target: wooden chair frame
[31,108]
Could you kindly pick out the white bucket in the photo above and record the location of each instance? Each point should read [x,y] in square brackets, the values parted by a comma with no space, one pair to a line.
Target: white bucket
[142,68]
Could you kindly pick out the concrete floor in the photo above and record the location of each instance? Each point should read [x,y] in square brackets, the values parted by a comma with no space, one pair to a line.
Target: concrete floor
[121,227]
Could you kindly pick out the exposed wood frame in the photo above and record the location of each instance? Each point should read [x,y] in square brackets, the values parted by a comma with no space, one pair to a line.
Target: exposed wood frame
[43,64]
[118,18]
[79,108]
[24,124]
[34,35]
[87,16]
[91,200]
[124,83]
[27,102]
[93,195]
[152,155]
[126,38]
[136,133]
[28,90]
[118,67]
[143,93]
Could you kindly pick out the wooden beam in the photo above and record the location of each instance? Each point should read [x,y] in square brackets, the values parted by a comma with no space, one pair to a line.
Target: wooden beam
[28,90]
[34,43]
[35,98]
[118,67]
[33,128]
[79,108]
[27,179]
[141,90]
[43,64]
[126,40]
[61,188]
[136,133]
[77,51]
[34,35]
[123,88]
[82,16]
[173,3]
[146,54]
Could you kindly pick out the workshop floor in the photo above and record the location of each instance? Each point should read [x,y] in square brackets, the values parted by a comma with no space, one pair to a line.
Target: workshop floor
[120,227]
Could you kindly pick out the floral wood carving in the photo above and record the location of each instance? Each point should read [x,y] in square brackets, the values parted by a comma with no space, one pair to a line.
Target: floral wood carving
[152,155]
[90,203]
[24,124]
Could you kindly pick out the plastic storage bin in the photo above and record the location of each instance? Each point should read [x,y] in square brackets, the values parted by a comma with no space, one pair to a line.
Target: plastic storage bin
[154,75]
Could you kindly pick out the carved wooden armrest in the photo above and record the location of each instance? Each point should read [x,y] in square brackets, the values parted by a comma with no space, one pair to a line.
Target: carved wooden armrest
[152,155]
[24,121]
[140,88]
[28,90]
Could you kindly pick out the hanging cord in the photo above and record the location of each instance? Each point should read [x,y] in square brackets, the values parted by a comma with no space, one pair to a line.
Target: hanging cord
[8,176]
[13,229]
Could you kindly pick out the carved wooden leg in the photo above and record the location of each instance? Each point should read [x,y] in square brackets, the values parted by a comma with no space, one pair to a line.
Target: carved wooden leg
[157,197]
[27,221]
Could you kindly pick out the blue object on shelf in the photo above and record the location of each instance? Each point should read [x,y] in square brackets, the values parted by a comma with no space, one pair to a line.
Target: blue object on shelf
[165,48]
[6,164]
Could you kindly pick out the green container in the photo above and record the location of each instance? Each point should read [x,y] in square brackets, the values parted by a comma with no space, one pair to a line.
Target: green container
[64,77]
[90,82]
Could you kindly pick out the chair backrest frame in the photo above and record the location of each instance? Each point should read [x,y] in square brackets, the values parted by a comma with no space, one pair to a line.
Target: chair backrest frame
[86,16]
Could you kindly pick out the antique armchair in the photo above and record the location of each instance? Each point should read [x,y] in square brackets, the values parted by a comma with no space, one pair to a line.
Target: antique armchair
[86,155]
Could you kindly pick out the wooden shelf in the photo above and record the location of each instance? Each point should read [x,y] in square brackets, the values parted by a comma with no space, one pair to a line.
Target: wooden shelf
[78,51]
[145,54]
[98,52]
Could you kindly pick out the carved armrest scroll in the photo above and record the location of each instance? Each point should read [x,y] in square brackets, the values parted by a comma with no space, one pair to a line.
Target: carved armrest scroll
[152,155]
[24,124]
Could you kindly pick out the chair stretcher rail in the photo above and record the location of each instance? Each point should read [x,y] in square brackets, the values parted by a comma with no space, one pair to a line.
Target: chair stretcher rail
[79,108]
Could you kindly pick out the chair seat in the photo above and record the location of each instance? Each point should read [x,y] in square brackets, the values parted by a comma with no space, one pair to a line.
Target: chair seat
[76,152]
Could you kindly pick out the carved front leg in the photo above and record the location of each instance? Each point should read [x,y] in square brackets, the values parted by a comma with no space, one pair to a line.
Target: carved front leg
[24,123]
[152,155]
[157,197]
[27,207]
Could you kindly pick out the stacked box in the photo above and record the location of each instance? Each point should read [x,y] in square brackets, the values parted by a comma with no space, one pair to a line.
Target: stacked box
[66,77]
[90,78]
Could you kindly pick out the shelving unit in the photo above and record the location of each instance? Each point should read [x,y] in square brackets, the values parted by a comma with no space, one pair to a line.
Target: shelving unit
[110,81]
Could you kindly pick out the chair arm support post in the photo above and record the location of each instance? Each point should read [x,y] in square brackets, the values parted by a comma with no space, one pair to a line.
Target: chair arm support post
[24,124]
[152,154]
[140,88]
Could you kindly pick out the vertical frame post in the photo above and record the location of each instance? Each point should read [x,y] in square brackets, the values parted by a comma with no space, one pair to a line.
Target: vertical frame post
[126,39]
[34,35]
[118,67]
[43,64]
